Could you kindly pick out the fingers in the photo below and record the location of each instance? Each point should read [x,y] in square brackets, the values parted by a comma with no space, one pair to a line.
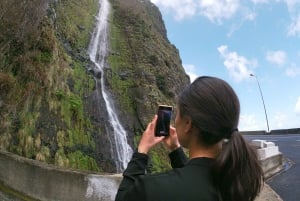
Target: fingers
[172,141]
[151,126]
[148,139]
[153,122]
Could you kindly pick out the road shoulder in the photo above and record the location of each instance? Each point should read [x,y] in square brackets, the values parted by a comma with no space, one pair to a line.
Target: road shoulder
[268,194]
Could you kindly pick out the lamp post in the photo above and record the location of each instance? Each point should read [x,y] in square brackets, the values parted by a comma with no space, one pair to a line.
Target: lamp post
[262,98]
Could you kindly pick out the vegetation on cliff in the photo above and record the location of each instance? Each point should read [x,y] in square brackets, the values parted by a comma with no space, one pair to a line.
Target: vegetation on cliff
[147,69]
[43,81]
[45,86]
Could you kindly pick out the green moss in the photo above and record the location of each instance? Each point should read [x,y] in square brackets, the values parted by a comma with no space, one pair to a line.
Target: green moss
[83,81]
[78,137]
[75,103]
[121,66]
[81,161]
[42,57]
[138,74]
[159,159]
[75,20]
[47,83]
[60,94]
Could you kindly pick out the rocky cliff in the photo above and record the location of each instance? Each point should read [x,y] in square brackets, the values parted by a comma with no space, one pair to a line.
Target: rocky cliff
[47,110]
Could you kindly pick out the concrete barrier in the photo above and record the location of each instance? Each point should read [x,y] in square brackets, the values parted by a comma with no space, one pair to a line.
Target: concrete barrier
[272,165]
[45,182]
[270,158]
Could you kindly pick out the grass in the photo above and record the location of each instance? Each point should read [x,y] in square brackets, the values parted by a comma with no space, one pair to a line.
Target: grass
[45,79]
[120,63]
[76,20]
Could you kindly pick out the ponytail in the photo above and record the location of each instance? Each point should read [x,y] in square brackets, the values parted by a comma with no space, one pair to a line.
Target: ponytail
[237,173]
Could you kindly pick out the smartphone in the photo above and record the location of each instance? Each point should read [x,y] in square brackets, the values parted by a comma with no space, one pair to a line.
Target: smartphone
[164,115]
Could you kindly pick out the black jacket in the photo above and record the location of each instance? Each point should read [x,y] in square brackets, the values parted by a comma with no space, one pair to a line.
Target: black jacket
[189,181]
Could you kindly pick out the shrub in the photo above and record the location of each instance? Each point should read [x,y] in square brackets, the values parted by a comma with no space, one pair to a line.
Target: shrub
[6,83]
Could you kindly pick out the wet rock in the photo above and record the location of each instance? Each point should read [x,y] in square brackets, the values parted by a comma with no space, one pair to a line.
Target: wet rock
[124,75]
[98,74]
[80,27]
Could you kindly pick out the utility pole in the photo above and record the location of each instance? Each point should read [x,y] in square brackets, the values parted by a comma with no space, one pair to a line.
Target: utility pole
[262,98]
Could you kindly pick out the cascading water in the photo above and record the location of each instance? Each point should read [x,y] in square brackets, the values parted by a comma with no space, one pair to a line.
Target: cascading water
[98,50]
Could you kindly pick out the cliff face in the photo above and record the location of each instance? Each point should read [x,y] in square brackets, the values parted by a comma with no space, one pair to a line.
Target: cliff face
[46,104]
[44,82]
[147,68]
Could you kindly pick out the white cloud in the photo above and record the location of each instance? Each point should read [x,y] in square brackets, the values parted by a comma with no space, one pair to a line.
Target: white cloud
[214,10]
[297,107]
[292,71]
[293,9]
[236,26]
[191,71]
[250,16]
[249,122]
[238,66]
[280,121]
[294,28]
[276,57]
[181,8]
[219,10]
[265,1]
[285,120]
[292,5]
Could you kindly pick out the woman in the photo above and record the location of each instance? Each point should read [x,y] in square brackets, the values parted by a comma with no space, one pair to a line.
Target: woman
[221,165]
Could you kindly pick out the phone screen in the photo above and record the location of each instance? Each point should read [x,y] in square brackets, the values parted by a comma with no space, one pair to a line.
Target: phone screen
[164,115]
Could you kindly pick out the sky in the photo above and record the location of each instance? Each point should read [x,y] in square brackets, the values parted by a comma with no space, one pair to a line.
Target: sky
[232,39]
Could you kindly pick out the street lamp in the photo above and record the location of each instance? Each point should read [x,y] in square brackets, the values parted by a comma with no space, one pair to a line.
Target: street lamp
[262,98]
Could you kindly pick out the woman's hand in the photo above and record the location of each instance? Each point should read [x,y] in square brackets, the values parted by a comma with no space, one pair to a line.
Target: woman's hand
[172,141]
[148,139]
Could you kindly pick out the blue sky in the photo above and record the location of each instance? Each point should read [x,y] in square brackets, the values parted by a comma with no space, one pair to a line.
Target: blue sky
[232,39]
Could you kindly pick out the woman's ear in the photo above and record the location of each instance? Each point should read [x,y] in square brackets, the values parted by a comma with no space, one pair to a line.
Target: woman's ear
[187,125]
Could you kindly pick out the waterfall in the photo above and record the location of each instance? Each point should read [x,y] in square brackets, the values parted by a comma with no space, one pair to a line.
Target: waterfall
[98,51]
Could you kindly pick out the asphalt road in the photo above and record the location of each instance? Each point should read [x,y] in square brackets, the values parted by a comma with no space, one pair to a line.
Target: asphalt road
[287,183]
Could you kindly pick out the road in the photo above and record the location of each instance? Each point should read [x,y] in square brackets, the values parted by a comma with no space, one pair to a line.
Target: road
[287,183]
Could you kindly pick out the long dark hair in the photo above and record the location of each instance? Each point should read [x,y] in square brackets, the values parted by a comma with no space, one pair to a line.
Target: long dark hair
[214,109]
